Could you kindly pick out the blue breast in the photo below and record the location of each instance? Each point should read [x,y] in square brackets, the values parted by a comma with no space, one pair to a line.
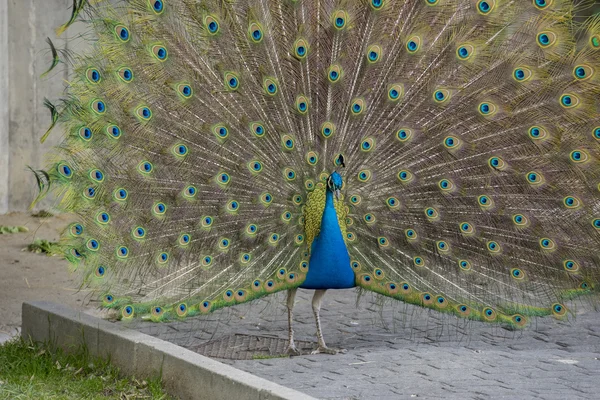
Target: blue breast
[329,266]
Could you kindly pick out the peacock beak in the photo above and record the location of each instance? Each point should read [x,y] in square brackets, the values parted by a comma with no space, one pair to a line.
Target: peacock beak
[337,194]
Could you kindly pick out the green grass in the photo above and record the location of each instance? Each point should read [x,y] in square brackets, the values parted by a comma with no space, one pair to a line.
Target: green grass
[12,229]
[29,371]
[44,246]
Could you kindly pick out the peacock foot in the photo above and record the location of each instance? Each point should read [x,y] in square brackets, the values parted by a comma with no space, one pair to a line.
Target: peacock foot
[328,350]
[293,351]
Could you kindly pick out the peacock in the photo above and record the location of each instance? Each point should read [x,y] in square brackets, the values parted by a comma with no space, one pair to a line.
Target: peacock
[443,153]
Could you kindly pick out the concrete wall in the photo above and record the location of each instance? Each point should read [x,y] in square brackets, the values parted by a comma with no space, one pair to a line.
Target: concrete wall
[24,56]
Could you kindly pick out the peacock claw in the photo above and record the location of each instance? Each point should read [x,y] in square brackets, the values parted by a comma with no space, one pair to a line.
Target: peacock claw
[293,351]
[328,350]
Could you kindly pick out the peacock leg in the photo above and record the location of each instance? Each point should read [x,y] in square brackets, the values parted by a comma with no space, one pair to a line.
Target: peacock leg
[292,350]
[316,305]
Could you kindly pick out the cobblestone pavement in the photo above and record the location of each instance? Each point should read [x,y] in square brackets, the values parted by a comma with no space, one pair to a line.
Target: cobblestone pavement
[397,351]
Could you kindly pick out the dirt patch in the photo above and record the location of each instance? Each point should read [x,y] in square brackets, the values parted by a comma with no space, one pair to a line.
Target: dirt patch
[26,276]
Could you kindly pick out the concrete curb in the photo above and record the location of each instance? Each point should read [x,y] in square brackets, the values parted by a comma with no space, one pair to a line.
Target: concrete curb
[184,373]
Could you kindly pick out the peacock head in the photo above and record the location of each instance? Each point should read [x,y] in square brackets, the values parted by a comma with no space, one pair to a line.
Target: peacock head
[335,183]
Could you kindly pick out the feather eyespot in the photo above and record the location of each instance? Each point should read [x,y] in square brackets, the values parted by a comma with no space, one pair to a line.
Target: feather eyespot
[90,193]
[76,230]
[392,202]
[180,150]
[93,76]
[377,4]
[357,106]
[364,175]
[535,178]
[395,92]
[327,129]
[232,81]
[98,106]
[579,156]
[232,206]
[522,74]
[302,104]
[312,158]
[206,262]
[413,44]
[245,259]
[520,220]
[160,52]
[157,6]
[405,176]
[122,252]
[257,129]
[266,198]
[120,194]
[162,258]
[223,179]
[185,90]
[287,142]
[558,310]
[537,133]
[340,18]
[100,271]
[255,32]
[113,131]
[446,185]
[487,109]
[497,163]
[184,239]
[517,274]
[64,170]
[122,33]
[466,228]
[335,73]
[127,312]
[411,234]
[441,96]
[489,314]
[93,245]
[367,144]
[595,41]
[493,247]
[546,39]
[273,239]
[103,218]
[211,24]
[270,86]
[419,261]
[465,52]
[125,74]
[485,202]
[369,218]
[143,113]
[286,216]
[431,213]
[442,246]
[464,265]
[485,6]
[452,142]
[300,49]
[404,134]
[583,72]
[373,53]
[569,101]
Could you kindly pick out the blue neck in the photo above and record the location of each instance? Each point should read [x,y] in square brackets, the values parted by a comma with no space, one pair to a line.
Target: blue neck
[329,266]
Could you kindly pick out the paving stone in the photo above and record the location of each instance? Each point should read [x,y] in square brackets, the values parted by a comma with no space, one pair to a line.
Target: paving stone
[397,351]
